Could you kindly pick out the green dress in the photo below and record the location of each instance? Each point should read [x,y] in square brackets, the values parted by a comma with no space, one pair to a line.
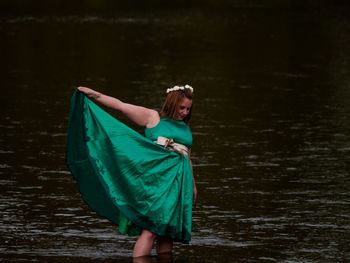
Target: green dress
[128,178]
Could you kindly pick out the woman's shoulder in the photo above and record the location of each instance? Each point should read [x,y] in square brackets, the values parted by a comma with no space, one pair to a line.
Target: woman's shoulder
[154,119]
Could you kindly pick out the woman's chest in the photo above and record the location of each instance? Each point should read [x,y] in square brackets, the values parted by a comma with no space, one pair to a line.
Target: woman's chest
[178,131]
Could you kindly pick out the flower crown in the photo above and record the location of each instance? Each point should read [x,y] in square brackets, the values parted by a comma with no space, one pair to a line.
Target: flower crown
[180,88]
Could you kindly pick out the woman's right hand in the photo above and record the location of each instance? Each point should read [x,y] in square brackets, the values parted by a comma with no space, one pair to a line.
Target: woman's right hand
[88,92]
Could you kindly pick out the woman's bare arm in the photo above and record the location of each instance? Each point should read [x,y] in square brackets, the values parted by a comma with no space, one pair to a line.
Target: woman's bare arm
[140,115]
[194,181]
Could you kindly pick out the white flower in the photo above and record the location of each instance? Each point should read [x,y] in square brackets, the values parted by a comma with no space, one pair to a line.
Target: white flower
[179,88]
[189,87]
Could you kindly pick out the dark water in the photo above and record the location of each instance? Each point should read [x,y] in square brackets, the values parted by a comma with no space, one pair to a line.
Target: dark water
[271,126]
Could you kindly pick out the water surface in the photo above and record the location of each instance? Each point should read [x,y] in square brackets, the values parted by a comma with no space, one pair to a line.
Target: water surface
[270,125]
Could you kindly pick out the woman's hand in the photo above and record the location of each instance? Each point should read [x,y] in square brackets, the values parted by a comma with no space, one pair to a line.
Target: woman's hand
[89,92]
[194,194]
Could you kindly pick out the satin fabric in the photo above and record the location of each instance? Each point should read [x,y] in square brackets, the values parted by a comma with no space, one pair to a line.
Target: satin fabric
[171,129]
[125,176]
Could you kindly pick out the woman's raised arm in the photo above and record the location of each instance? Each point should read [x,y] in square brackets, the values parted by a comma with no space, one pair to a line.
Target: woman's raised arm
[140,115]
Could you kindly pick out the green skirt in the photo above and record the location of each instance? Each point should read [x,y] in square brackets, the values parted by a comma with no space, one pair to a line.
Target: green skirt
[126,177]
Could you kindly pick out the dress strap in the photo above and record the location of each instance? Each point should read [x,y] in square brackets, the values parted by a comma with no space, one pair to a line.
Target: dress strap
[171,145]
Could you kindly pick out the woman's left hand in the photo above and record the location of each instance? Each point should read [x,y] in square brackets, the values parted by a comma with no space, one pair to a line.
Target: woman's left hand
[194,194]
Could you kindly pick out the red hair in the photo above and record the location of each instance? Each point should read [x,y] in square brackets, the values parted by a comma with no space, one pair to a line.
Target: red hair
[172,103]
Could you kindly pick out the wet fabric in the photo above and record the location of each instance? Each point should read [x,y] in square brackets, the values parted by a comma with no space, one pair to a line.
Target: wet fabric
[125,176]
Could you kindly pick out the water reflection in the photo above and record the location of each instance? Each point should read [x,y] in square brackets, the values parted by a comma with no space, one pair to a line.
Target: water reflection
[160,258]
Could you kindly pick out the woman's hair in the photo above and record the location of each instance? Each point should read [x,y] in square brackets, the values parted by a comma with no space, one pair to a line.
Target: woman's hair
[172,104]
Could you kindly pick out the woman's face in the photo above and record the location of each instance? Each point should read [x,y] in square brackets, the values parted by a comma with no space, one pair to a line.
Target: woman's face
[184,109]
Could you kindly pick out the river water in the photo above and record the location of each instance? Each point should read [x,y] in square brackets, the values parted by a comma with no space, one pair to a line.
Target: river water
[270,123]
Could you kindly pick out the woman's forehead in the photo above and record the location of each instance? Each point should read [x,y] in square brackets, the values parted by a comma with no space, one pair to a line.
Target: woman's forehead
[186,102]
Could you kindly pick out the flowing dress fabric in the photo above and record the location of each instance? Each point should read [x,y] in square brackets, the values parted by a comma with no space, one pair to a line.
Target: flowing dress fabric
[124,175]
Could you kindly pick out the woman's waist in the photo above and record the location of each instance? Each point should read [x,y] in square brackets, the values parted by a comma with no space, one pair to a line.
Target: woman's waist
[170,144]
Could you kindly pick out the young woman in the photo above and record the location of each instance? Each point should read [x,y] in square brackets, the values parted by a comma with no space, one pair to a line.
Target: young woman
[143,184]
